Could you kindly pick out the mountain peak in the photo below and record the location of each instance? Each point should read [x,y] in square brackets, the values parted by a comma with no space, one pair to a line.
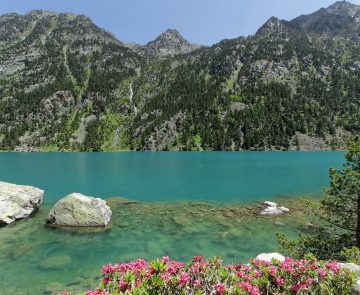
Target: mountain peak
[170,42]
[339,19]
[273,24]
[171,33]
[343,8]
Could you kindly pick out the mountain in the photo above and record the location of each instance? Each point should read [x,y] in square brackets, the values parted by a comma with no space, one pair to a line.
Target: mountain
[170,43]
[66,84]
[273,24]
[344,8]
[340,18]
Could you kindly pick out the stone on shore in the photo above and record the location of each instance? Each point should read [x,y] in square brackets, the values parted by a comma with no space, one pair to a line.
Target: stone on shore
[355,268]
[270,256]
[273,209]
[77,210]
[18,201]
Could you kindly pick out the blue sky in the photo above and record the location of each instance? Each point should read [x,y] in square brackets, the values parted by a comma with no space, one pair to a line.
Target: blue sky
[199,21]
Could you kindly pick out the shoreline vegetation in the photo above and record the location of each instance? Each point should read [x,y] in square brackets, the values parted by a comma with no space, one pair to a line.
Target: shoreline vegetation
[267,274]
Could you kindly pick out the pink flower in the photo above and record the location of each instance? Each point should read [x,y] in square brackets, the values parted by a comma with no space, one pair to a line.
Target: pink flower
[298,287]
[106,280]
[280,281]
[122,285]
[250,288]
[333,266]
[95,292]
[220,288]
[257,273]
[166,277]
[197,284]
[108,269]
[138,282]
[240,273]
[184,279]
[309,281]
[165,259]
[322,273]
[272,270]
[198,258]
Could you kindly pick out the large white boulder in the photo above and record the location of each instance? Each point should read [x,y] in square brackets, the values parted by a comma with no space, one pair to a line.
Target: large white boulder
[270,256]
[77,210]
[18,201]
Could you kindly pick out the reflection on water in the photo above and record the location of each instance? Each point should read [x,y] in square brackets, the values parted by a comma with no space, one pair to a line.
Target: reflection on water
[36,259]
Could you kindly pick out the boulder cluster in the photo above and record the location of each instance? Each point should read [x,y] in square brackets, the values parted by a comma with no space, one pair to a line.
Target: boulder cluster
[74,210]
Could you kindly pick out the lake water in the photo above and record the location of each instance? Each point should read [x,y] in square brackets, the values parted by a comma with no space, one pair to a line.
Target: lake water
[190,204]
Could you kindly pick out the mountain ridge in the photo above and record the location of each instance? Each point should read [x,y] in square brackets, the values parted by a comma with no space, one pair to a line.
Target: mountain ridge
[66,84]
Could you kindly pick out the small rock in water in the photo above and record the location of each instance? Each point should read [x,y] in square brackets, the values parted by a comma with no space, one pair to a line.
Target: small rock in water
[270,256]
[273,209]
[77,210]
[18,201]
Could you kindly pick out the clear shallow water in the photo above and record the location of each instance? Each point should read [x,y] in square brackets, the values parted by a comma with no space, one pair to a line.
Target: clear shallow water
[36,259]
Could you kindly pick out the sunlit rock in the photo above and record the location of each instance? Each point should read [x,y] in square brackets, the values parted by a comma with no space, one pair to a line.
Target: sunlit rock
[18,201]
[273,209]
[77,210]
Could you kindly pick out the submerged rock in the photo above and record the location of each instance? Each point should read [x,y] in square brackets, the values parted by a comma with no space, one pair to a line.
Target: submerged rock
[273,209]
[270,256]
[56,262]
[18,201]
[20,250]
[77,210]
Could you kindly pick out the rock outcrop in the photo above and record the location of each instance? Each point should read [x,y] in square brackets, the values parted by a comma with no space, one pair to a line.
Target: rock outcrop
[18,201]
[77,210]
[273,209]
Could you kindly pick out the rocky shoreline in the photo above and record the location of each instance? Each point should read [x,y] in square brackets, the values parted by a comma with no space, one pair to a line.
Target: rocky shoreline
[77,210]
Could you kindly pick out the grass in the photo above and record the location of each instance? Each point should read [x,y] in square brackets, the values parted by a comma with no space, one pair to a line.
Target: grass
[230,83]
[115,133]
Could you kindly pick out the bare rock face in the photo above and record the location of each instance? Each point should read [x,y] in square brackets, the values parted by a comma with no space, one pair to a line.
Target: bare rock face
[77,210]
[18,201]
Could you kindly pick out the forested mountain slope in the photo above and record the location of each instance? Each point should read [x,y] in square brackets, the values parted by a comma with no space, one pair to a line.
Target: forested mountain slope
[66,84]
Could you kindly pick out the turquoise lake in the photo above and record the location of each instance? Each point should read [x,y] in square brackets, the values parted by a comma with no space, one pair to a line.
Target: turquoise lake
[189,204]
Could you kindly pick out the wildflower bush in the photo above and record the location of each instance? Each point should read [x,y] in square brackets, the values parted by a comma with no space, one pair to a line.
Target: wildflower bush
[165,276]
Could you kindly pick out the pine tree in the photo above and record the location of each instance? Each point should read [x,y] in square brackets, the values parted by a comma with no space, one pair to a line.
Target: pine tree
[335,222]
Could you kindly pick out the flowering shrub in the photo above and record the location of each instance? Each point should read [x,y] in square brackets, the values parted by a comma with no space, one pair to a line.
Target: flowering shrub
[165,276]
